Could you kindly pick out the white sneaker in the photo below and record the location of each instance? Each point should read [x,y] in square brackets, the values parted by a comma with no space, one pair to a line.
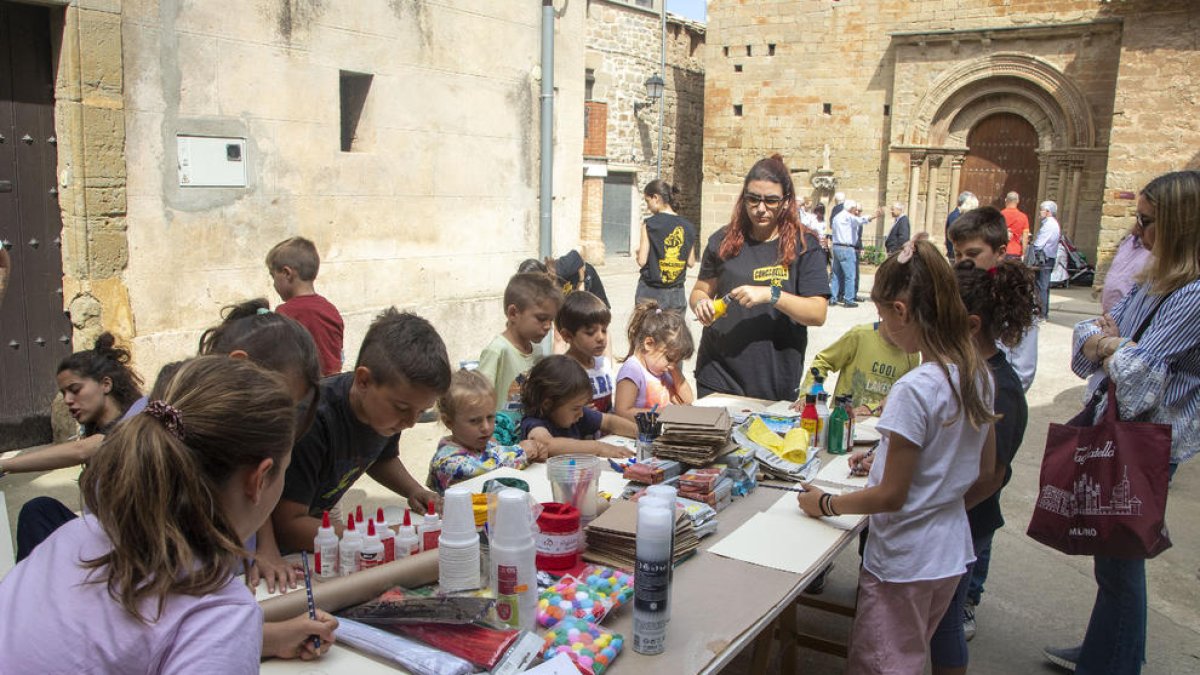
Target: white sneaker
[969,620]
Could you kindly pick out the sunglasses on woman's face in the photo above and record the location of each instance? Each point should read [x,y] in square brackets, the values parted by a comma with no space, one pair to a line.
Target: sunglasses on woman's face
[752,200]
[1142,221]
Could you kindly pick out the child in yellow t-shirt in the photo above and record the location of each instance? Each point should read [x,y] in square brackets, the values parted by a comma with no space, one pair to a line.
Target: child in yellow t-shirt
[868,363]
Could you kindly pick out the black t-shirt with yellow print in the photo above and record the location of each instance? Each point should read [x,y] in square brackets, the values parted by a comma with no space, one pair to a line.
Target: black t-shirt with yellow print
[758,351]
[671,242]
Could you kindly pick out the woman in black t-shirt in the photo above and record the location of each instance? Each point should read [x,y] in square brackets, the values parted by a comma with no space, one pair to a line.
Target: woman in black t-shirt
[667,249]
[772,269]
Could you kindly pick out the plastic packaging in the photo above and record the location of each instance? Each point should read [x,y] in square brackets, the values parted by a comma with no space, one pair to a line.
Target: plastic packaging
[592,648]
[458,544]
[484,647]
[574,480]
[413,656]
[397,606]
[512,561]
[325,549]
[652,577]
[430,528]
[352,543]
[407,541]
[371,554]
[558,537]
[387,537]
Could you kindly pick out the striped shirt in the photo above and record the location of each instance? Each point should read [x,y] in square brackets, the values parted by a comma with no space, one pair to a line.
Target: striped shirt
[1158,380]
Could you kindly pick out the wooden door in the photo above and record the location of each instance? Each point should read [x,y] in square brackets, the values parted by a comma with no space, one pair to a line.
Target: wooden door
[1002,158]
[617,213]
[34,332]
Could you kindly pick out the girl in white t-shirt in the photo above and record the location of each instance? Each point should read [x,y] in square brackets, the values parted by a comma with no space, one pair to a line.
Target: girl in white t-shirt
[937,439]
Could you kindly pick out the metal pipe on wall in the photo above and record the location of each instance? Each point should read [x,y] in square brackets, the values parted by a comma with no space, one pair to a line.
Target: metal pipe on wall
[546,188]
[662,104]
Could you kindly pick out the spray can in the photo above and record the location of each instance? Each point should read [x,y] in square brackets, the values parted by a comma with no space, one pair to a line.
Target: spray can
[458,544]
[652,580]
[386,536]
[325,549]
[371,553]
[351,544]
[512,554]
[407,541]
[430,529]
[818,385]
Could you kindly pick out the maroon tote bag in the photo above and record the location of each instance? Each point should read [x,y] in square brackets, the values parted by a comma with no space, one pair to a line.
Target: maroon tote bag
[1103,488]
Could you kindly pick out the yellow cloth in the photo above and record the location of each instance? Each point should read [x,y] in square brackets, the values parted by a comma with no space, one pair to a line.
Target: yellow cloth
[793,447]
[867,365]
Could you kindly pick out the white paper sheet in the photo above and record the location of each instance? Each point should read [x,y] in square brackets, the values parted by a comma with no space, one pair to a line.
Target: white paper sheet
[784,542]
[836,473]
[787,506]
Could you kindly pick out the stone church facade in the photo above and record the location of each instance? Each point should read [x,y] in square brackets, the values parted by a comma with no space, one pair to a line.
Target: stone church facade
[1078,101]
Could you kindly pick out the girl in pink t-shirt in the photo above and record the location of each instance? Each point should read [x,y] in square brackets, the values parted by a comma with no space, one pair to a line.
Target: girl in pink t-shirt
[651,376]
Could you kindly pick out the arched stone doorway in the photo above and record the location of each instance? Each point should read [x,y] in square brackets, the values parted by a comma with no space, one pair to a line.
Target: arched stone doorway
[1001,158]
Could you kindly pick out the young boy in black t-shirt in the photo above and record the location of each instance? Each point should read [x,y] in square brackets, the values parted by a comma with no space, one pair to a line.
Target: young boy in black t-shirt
[402,369]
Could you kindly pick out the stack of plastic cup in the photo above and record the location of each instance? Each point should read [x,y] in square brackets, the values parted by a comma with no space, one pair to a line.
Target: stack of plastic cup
[458,544]
[512,565]
[574,480]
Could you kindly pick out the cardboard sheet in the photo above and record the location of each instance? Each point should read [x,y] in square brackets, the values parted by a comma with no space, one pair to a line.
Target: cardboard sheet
[792,543]
[835,472]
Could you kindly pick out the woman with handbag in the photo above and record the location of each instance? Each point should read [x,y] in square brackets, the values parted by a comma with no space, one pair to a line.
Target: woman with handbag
[1148,351]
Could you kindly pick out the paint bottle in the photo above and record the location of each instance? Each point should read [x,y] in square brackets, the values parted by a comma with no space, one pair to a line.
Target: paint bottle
[458,544]
[818,385]
[836,435]
[352,543]
[430,529]
[407,541]
[511,555]
[652,580]
[822,420]
[849,403]
[371,553]
[325,549]
[809,420]
[720,306]
[386,536]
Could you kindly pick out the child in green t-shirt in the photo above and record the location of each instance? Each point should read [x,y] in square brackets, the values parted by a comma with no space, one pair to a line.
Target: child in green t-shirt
[868,363]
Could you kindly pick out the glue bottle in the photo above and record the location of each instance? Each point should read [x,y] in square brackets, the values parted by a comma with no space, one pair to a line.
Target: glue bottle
[407,541]
[325,549]
[352,543]
[652,580]
[430,529]
[371,553]
[822,420]
[511,555]
[386,536]
[720,306]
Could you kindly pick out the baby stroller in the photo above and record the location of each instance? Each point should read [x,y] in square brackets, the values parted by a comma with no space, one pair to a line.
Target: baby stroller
[1070,266]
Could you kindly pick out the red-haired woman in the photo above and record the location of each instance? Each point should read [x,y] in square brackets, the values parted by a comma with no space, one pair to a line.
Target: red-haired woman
[772,269]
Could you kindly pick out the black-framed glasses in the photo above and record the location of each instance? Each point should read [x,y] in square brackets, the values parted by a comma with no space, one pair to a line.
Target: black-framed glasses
[752,200]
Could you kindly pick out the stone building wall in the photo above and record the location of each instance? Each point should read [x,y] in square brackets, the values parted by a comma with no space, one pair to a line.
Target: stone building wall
[772,67]
[431,212]
[623,50]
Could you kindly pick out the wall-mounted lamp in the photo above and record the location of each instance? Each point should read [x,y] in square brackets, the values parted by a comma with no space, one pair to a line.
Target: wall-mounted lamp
[654,90]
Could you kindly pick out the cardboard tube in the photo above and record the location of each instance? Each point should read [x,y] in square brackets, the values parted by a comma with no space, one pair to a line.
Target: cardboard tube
[337,594]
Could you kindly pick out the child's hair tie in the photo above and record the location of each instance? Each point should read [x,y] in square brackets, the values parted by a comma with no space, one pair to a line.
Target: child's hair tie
[906,252]
[262,310]
[992,271]
[168,415]
[658,310]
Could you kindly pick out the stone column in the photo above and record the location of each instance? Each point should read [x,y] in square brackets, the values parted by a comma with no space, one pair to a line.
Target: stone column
[1043,176]
[1060,191]
[915,160]
[956,164]
[931,192]
[1076,163]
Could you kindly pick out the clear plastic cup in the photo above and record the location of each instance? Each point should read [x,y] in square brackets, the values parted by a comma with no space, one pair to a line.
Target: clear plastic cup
[575,480]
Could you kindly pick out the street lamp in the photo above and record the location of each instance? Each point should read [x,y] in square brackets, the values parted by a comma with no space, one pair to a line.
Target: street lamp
[654,90]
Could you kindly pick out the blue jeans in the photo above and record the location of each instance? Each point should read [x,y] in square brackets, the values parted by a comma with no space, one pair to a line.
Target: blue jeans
[1115,643]
[845,270]
[39,518]
[979,573]
[1043,288]
[948,647]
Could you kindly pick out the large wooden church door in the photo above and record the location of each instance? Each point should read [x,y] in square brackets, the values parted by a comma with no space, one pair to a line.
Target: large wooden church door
[1002,158]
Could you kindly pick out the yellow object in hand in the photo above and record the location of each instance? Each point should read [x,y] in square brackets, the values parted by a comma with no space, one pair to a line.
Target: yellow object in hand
[720,306]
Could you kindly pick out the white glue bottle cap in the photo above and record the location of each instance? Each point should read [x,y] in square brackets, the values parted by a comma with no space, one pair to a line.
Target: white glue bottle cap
[513,518]
[665,491]
[458,519]
[654,528]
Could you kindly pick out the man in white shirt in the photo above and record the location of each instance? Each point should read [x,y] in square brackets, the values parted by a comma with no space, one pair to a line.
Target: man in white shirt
[846,226]
[1045,250]
[807,218]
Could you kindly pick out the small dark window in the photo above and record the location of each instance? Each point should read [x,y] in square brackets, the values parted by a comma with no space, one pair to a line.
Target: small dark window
[748,50]
[353,90]
[770,50]
[887,110]
[737,68]
[737,110]
[827,108]
[589,83]
[726,51]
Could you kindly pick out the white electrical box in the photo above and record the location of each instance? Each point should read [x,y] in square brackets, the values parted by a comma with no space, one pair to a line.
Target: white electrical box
[206,161]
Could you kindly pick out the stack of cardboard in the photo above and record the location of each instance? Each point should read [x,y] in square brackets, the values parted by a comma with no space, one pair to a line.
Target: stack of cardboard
[612,537]
[693,435]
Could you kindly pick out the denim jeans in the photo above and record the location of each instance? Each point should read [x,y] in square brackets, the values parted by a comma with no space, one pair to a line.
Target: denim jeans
[1043,288]
[845,269]
[39,518]
[948,647]
[1115,643]
[979,573]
